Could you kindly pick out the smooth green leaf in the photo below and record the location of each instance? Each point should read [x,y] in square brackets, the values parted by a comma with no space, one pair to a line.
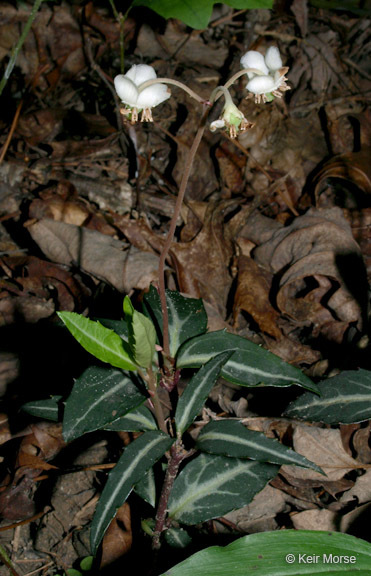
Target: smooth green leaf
[197,390]
[142,335]
[231,438]
[281,553]
[118,326]
[250,364]
[86,563]
[138,420]
[187,316]
[98,397]
[196,13]
[102,342]
[137,458]
[210,486]
[345,399]
[49,409]
[146,488]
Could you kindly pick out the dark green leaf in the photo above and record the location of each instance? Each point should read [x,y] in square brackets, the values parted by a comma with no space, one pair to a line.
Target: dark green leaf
[282,553]
[197,390]
[146,488]
[138,420]
[137,458]
[231,438]
[99,396]
[102,342]
[196,13]
[177,538]
[48,409]
[187,316]
[210,486]
[250,364]
[345,399]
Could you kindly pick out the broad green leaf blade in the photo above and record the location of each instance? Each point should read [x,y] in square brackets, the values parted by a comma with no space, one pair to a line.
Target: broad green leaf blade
[282,553]
[187,316]
[196,13]
[197,390]
[98,397]
[231,438]
[250,364]
[49,409]
[102,342]
[137,458]
[345,399]
[118,326]
[138,420]
[210,486]
[142,335]
[146,488]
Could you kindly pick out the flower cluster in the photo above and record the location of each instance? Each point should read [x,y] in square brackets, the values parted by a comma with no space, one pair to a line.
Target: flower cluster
[137,99]
[140,90]
[266,74]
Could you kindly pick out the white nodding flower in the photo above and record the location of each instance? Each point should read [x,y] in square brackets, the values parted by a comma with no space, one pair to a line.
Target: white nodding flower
[266,75]
[232,120]
[128,88]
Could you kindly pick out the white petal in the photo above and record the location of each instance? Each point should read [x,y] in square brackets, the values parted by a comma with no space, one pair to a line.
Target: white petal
[126,90]
[273,58]
[153,95]
[253,59]
[140,73]
[261,85]
[217,124]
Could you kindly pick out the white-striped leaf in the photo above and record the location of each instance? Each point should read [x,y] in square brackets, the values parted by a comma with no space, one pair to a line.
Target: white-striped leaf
[345,399]
[187,316]
[99,341]
[282,553]
[49,409]
[250,364]
[138,420]
[177,538]
[231,438]
[210,486]
[197,390]
[98,397]
[137,458]
[146,488]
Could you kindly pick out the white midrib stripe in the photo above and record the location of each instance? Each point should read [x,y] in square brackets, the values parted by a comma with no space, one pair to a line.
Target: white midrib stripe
[190,405]
[346,399]
[210,486]
[98,401]
[124,477]
[241,368]
[241,441]
[176,327]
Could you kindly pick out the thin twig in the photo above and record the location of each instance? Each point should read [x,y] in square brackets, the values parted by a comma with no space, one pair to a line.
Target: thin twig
[11,131]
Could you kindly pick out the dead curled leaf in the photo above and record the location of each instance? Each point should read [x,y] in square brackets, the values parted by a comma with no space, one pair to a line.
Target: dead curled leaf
[318,268]
[100,255]
[118,539]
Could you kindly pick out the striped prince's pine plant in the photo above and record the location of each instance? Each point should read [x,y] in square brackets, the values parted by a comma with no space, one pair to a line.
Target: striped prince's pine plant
[157,368]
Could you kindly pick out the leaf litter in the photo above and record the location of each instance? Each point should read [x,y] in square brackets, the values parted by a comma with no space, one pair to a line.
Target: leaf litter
[274,236]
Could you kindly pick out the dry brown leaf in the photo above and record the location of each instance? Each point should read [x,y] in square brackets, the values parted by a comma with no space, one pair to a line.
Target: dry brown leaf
[315,520]
[323,447]
[308,256]
[252,296]
[118,539]
[93,252]
[360,492]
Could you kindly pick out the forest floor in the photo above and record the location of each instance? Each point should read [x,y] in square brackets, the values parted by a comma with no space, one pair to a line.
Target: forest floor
[273,236]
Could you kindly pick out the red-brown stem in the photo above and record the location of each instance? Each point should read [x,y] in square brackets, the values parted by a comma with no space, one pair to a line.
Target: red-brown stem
[152,387]
[177,455]
[170,235]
